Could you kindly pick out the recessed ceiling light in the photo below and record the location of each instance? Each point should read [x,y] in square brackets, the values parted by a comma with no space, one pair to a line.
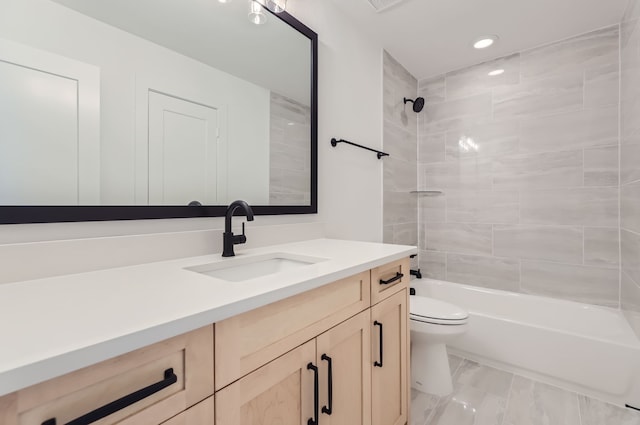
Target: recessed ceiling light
[496,72]
[484,42]
[224,1]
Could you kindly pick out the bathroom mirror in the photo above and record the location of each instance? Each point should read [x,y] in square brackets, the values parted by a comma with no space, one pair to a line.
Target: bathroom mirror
[134,109]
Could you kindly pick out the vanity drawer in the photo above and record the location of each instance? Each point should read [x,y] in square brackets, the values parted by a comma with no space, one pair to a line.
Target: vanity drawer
[388,279]
[250,340]
[176,373]
[200,414]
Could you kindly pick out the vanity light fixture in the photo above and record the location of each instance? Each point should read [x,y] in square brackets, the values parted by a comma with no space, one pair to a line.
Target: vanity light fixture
[256,13]
[484,42]
[496,72]
[276,6]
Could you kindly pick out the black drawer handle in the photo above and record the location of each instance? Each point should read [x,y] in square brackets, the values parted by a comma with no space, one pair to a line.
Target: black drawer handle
[379,364]
[329,409]
[398,276]
[316,396]
[170,378]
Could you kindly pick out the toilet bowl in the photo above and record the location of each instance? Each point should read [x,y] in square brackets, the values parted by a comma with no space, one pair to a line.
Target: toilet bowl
[433,323]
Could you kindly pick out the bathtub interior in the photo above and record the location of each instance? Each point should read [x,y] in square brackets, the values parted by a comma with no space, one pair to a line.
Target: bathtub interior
[587,349]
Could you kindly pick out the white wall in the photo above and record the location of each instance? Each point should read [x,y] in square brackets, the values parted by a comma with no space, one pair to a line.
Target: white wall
[350,179]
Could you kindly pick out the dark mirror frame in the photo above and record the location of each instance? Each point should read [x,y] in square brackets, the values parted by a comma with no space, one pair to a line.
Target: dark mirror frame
[57,214]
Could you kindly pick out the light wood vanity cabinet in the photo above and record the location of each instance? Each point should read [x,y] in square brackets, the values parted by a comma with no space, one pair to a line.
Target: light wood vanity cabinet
[314,358]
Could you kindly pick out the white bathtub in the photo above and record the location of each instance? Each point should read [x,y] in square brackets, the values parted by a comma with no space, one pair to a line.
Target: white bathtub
[584,348]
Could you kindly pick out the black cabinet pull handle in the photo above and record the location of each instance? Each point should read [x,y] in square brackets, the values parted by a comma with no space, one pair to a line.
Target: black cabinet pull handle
[170,378]
[329,409]
[379,364]
[398,276]
[316,390]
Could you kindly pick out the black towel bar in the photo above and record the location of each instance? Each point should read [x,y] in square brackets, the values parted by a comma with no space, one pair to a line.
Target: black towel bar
[335,141]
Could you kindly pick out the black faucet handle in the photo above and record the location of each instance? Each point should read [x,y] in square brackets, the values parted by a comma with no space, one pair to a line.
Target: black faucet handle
[243,228]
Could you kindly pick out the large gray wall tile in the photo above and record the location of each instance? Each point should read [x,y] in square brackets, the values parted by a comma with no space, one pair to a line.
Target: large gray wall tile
[586,207]
[459,238]
[601,166]
[399,175]
[432,209]
[433,89]
[629,160]
[630,254]
[630,294]
[476,79]
[630,206]
[454,114]
[489,272]
[554,243]
[398,83]
[482,206]
[601,86]
[491,139]
[574,130]
[405,234]
[400,143]
[630,303]
[573,55]
[539,98]
[399,207]
[433,264]
[431,147]
[591,285]
[602,246]
[473,174]
[537,171]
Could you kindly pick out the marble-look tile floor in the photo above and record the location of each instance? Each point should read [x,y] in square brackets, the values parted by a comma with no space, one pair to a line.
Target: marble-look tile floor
[483,395]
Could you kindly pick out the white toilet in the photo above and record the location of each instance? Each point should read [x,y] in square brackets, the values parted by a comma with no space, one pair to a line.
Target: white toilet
[433,324]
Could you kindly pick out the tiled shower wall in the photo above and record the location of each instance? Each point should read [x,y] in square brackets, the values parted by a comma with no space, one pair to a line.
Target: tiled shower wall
[630,164]
[400,168]
[528,165]
[289,154]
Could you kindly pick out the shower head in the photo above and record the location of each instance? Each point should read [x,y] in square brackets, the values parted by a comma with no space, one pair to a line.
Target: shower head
[418,104]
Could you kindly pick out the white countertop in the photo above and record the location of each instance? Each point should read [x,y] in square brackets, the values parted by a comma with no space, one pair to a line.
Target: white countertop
[49,327]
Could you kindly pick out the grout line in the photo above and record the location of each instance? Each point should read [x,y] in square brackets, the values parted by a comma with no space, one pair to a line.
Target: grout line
[579,409]
[619,166]
[506,406]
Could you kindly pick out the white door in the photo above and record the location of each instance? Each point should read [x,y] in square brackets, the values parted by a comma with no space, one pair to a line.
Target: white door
[183,153]
[49,129]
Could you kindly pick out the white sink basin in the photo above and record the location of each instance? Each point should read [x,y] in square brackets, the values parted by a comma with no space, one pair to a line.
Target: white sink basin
[240,269]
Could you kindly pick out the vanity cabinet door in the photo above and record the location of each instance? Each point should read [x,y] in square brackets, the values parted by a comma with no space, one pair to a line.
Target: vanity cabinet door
[390,359]
[344,359]
[388,279]
[280,392]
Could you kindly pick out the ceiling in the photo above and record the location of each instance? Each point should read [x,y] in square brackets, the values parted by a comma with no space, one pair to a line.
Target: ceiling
[431,37]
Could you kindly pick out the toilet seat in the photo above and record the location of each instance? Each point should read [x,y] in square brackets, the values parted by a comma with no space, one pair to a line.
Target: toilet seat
[430,310]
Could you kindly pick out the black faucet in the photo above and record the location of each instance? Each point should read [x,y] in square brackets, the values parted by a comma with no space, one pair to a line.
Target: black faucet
[229,239]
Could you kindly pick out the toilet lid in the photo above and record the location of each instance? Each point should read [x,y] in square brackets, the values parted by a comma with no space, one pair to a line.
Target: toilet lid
[429,308]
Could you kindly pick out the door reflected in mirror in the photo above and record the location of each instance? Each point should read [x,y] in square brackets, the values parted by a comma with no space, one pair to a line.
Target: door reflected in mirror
[153,103]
